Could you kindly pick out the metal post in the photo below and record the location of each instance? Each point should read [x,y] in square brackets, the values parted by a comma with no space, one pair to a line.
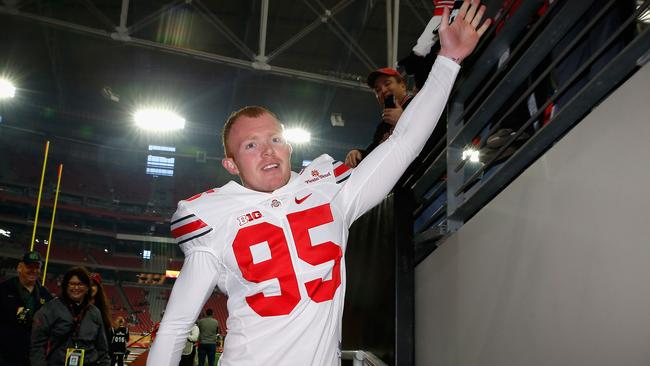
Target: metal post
[261,61]
[263,21]
[403,206]
[389,32]
[395,37]
[455,178]
[124,15]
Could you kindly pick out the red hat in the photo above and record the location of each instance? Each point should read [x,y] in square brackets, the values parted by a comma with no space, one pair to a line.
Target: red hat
[97,278]
[383,71]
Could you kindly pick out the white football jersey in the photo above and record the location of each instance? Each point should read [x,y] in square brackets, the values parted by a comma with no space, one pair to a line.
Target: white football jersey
[279,257]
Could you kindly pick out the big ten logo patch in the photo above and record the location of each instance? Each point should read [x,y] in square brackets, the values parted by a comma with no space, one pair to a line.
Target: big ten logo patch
[244,219]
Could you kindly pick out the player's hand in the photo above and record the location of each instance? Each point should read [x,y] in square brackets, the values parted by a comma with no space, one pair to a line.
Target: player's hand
[392,115]
[458,39]
[353,158]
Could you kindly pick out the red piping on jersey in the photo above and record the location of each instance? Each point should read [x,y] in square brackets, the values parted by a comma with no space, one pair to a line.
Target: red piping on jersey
[188,228]
[340,170]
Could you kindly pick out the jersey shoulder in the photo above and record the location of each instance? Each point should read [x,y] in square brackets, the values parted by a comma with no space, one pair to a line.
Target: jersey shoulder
[200,214]
[325,169]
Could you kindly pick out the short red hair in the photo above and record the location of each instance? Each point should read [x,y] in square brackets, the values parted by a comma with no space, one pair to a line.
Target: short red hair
[251,111]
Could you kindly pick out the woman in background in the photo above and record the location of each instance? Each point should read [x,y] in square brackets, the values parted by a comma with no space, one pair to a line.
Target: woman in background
[99,299]
[69,328]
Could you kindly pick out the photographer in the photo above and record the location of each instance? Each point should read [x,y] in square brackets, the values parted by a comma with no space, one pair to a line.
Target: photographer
[390,90]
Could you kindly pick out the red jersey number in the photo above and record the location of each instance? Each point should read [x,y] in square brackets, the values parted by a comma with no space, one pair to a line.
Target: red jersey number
[280,266]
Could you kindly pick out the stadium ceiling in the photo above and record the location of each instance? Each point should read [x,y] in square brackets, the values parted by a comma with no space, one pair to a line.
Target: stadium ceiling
[87,63]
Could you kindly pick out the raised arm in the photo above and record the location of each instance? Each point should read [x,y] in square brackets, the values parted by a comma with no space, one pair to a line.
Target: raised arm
[375,176]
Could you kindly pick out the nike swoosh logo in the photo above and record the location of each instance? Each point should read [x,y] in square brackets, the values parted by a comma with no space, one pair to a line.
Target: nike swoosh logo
[301,200]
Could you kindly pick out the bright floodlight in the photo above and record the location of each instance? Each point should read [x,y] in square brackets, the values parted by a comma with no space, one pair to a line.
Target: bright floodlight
[7,89]
[297,135]
[159,120]
[471,154]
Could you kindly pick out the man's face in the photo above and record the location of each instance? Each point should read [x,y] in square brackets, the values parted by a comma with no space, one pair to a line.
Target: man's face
[388,85]
[260,155]
[28,274]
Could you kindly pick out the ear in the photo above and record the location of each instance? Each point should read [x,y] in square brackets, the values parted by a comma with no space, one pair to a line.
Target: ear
[230,166]
[290,150]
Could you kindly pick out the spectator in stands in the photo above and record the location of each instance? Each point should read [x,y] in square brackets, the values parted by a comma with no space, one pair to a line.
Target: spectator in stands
[69,326]
[119,339]
[387,82]
[20,298]
[189,351]
[98,298]
[208,330]
[391,92]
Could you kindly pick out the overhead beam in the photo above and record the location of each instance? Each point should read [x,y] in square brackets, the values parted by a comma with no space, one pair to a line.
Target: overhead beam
[207,56]
[309,28]
[137,26]
[223,28]
[343,35]
[99,14]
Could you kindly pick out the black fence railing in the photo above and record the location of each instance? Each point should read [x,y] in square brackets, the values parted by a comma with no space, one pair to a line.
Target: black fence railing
[549,64]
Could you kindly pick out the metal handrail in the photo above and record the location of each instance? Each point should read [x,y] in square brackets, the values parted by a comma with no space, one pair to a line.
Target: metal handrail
[362,358]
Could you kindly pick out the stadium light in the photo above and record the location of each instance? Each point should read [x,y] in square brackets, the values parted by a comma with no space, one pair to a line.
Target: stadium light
[7,89]
[158,120]
[471,154]
[297,135]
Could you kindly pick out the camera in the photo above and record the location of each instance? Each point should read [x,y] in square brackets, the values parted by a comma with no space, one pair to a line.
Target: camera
[389,101]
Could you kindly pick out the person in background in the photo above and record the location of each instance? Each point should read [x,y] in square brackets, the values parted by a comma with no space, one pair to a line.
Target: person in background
[387,82]
[119,339]
[189,351]
[392,96]
[154,330]
[69,326]
[208,330]
[99,299]
[20,298]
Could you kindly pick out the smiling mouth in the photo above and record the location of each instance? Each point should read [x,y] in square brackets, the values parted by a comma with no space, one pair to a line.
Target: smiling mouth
[270,167]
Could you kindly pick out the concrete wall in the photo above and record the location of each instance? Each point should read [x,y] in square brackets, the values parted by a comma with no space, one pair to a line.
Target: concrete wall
[556,269]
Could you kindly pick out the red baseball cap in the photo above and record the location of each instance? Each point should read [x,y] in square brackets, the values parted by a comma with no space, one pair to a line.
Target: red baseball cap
[97,278]
[383,71]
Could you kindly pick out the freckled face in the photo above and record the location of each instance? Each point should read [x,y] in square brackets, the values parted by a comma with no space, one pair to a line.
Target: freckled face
[260,155]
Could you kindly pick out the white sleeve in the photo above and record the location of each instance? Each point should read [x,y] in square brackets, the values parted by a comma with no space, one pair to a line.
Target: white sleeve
[428,37]
[194,334]
[192,289]
[378,172]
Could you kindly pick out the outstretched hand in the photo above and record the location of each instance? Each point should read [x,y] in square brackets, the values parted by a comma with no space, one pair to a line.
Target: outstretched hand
[458,39]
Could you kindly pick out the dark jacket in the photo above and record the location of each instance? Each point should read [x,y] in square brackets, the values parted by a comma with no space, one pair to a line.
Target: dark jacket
[382,129]
[15,325]
[54,323]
